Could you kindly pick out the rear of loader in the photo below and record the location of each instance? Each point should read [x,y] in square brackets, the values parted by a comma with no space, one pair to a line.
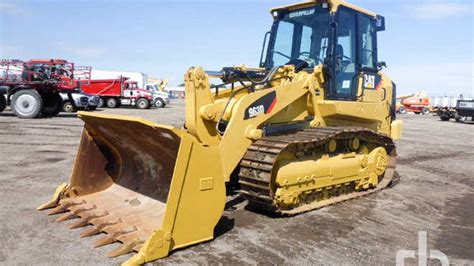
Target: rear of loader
[152,188]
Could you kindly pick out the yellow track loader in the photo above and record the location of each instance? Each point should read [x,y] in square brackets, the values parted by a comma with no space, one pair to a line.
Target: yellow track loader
[313,125]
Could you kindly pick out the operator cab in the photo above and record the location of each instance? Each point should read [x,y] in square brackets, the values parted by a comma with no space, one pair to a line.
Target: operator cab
[344,42]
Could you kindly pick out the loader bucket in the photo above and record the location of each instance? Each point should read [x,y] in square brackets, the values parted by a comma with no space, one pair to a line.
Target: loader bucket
[151,187]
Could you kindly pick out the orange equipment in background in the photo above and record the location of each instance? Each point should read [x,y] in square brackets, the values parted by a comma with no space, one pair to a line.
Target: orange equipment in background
[417,103]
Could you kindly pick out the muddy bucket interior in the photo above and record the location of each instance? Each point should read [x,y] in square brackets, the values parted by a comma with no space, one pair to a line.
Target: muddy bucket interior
[121,180]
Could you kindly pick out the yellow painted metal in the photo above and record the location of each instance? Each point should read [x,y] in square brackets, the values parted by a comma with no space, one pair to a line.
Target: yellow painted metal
[174,179]
[396,129]
[55,199]
[195,203]
[313,173]
[333,4]
[119,151]
[195,162]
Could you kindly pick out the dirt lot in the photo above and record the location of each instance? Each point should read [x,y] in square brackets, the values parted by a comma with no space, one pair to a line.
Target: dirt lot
[435,194]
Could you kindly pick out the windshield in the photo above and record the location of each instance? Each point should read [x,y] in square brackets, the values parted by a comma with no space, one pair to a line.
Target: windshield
[300,34]
[132,86]
[151,88]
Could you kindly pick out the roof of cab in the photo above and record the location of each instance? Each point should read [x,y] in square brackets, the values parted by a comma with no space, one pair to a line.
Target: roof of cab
[334,4]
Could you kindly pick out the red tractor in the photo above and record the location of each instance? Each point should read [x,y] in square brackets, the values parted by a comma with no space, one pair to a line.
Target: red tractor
[32,88]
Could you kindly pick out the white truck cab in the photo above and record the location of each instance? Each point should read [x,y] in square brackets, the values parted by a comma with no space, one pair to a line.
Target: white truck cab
[160,98]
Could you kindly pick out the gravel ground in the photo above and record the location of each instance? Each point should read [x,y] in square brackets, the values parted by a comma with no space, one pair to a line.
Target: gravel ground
[435,194]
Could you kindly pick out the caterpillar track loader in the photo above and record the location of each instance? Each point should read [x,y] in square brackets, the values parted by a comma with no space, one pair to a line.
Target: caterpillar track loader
[313,125]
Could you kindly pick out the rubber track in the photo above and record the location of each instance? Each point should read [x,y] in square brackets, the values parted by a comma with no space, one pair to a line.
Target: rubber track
[259,161]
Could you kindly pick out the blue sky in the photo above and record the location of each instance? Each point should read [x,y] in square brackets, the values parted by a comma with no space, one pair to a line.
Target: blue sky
[428,44]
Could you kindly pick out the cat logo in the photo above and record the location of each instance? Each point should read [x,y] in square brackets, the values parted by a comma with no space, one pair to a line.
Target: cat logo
[369,81]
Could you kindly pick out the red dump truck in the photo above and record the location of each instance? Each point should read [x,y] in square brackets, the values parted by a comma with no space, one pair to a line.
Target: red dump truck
[116,92]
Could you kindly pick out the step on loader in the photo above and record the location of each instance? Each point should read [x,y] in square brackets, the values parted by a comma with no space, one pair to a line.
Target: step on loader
[313,125]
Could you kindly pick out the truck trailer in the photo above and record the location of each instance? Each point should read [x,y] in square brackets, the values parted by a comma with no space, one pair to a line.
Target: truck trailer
[139,77]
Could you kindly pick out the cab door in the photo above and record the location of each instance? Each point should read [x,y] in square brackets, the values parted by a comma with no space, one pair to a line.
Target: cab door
[346,68]
[355,74]
[370,82]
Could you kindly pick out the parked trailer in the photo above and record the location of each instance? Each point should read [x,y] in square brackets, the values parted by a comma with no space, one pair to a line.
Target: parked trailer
[33,88]
[464,109]
[116,92]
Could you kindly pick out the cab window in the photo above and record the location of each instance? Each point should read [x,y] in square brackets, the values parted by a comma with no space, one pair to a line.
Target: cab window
[345,55]
[367,35]
[283,43]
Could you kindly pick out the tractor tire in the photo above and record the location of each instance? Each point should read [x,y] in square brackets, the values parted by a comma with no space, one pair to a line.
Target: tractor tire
[425,111]
[27,104]
[68,107]
[3,103]
[160,103]
[111,103]
[402,110]
[143,103]
[52,105]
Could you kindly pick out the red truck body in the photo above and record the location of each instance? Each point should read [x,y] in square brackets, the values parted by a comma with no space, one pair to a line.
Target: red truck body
[104,87]
[116,92]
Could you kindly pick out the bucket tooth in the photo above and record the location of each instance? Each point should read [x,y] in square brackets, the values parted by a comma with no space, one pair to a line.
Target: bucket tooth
[58,209]
[105,240]
[65,217]
[124,249]
[132,236]
[77,209]
[97,228]
[90,232]
[65,205]
[138,247]
[81,223]
[100,222]
[116,232]
[85,219]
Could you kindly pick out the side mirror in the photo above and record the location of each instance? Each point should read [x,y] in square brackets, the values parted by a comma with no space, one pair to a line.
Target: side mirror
[381,65]
[380,23]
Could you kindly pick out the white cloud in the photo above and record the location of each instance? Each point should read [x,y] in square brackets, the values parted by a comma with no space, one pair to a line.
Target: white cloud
[437,10]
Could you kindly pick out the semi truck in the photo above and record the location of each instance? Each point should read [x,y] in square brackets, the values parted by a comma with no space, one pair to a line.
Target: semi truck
[160,97]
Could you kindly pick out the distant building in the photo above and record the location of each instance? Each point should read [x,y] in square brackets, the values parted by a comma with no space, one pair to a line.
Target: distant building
[175,92]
